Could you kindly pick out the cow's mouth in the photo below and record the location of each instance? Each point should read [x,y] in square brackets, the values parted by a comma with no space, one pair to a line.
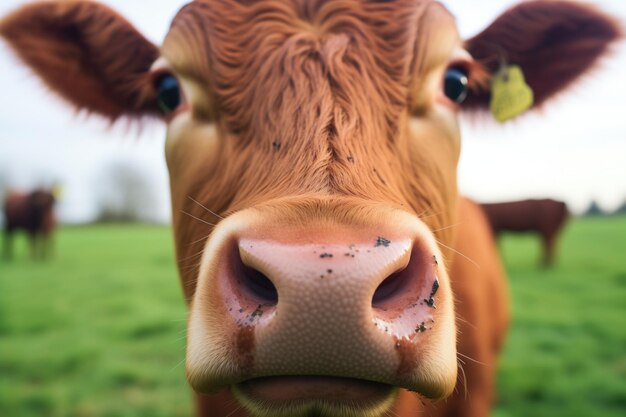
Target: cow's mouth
[315,396]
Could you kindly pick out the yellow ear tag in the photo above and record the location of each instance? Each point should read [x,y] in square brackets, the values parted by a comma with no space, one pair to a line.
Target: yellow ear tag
[57,191]
[510,95]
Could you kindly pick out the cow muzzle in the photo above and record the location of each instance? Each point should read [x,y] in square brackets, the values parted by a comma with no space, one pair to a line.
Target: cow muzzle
[322,316]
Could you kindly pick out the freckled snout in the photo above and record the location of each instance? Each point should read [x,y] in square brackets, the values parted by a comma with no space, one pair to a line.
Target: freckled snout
[331,308]
[333,302]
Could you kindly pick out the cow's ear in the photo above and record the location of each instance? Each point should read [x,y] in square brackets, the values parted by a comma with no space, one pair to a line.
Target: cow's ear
[86,53]
[554,42]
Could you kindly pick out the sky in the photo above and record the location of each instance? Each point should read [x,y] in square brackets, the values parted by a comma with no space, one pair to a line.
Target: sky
[574,150]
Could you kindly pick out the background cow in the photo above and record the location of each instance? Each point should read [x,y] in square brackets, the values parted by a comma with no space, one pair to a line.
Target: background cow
[33,213]
[319,142]
[545,217]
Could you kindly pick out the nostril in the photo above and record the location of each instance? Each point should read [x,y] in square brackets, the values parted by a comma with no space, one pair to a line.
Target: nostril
[404,287]
[249,281]
[388,290]
[258,285]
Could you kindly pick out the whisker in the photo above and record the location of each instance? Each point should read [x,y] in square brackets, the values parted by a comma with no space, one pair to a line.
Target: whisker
[446,228]
[468,358]
[190,283]
[195,255]
[461,319]
[191,267]
[193,259]
[207,209]
[197,218]
[459,253]
[177,365]
[179,339]
[202,239]
[465,391]
[234,411]
[190,257]
[423,215]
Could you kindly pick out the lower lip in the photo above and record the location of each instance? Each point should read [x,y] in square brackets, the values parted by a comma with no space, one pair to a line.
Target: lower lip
[287,389]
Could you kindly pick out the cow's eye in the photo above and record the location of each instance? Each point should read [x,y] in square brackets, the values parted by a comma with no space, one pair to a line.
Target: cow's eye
[455,85]
[168,93]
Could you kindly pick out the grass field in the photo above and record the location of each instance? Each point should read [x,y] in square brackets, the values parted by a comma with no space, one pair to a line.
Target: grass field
[99,331]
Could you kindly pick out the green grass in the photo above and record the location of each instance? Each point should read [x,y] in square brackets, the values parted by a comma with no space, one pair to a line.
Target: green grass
[99,330]
[566,352]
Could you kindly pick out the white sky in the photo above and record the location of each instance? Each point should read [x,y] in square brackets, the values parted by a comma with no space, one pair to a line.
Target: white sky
[575,151]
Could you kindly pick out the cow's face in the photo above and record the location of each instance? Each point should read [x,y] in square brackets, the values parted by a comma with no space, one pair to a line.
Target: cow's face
[312,150]
[330,150]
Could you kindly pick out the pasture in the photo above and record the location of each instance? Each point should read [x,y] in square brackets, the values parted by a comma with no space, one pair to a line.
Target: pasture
[99,330]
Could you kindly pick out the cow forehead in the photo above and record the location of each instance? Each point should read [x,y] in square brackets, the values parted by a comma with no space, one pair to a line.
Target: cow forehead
[310,98]
[306,57]
[205,26]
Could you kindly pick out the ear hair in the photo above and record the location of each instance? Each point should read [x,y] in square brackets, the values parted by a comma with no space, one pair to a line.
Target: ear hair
[87,53]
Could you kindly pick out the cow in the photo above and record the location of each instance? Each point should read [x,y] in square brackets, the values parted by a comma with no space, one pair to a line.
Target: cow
[32,212]
[312,149]
[546,217]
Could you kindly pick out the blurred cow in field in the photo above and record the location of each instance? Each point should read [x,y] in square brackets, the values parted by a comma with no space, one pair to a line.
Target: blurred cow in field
[32,212]
[545,217]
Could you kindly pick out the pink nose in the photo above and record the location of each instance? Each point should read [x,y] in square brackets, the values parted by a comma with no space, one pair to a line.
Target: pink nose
[380,278]
[353,309]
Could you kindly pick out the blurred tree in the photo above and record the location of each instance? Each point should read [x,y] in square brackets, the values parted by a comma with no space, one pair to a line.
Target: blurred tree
[594,209]
[125,194]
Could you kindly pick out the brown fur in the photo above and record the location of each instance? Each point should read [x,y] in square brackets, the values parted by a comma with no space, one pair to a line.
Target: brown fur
[545,217]
[107,65]
[305,105]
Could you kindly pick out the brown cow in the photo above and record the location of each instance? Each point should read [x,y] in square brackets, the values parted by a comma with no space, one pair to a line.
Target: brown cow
[546,217]
[316,144]
[33,213]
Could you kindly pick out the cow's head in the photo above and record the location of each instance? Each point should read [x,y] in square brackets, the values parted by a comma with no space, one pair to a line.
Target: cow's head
[321,140]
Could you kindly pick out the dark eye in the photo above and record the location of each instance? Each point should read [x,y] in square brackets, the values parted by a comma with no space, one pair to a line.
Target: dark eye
[455,85]
[168,93]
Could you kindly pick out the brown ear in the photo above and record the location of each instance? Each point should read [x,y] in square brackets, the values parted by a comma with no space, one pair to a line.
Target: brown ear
[554,42]
[87,53]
